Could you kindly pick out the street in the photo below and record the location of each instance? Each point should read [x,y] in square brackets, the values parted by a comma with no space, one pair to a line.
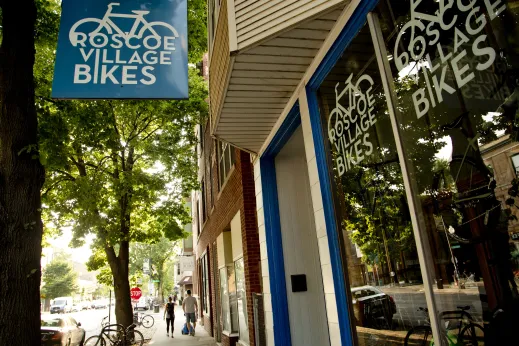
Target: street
[91,321]
[409,298]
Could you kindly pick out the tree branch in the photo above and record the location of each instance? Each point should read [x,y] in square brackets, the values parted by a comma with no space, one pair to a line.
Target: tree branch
[68,175]
[143,129]
[54,185]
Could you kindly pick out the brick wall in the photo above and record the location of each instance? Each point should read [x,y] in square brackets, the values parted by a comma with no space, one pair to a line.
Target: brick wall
[238,194]
[251,248]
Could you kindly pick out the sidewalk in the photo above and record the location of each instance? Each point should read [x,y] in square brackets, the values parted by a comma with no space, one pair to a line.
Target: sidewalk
[201,337]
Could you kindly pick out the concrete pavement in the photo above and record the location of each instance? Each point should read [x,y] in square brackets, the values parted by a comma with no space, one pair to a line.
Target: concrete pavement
[201,337]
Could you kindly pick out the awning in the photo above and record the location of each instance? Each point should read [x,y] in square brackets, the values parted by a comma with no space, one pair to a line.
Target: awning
[186,280]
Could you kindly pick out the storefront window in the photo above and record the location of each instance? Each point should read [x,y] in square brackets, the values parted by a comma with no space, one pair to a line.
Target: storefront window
[242,301]
[379,250]
[205,285]
[455,73]
[229,299]
[233,301]
[224,298]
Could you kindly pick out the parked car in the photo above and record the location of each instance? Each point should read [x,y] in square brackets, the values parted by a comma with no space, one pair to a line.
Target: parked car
[141,305]
[100,305]
[75,308]
[85,305]
[372,307]
[61,305]
[63,330]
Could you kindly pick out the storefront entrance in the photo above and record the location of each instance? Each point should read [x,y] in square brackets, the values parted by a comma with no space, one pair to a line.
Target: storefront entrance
[411,109]
[306,305]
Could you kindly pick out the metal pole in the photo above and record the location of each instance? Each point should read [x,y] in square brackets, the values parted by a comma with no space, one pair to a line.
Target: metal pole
[415,206]
[109,306]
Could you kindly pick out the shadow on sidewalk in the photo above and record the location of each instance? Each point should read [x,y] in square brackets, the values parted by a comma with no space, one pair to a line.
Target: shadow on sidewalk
[160,338]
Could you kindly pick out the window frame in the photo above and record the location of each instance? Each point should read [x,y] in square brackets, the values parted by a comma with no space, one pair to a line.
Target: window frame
[226,162]
[213,13]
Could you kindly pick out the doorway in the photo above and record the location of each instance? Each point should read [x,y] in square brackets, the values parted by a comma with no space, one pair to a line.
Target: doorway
[306,305]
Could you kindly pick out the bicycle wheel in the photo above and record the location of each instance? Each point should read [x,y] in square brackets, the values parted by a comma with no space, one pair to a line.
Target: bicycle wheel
[113,332]
[472,334]
[95,340]
[134,338]
[147,321]
[419,336]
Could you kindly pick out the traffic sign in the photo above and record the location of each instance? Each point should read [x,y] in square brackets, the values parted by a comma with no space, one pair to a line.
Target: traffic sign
[135,293]
[156,280]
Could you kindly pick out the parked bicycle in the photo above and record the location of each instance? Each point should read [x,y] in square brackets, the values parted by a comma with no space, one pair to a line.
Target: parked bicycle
[463,332]
[116,335]
[147,321]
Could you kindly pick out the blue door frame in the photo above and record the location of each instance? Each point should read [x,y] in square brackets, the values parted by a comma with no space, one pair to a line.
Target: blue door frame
[276,262]
[270,196]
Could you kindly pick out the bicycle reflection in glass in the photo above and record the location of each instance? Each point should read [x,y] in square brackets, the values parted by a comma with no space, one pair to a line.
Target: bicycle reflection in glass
[464,331]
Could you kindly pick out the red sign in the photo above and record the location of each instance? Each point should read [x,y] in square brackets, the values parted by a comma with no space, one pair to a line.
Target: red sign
[135,293]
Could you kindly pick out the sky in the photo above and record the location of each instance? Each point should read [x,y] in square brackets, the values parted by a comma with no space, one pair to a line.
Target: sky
[81,254]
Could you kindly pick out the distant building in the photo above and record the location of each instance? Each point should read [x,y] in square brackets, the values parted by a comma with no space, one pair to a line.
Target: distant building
[503,156]
[186,261]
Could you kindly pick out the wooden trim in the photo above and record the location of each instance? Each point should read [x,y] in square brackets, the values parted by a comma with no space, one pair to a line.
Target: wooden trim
[332,37]
[253,36]
[233,36]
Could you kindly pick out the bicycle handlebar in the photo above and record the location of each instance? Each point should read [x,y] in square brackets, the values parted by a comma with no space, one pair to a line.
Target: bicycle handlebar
[112,4]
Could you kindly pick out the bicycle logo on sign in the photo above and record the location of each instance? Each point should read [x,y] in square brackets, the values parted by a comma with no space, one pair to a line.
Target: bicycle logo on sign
[463,22]
[417,42]
[348,126]
[98,39]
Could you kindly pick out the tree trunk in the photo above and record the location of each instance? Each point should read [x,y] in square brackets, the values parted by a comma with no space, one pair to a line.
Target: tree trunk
[119,267]
[21,178]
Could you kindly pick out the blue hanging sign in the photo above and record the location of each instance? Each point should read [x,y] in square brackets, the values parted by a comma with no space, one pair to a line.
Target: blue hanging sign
[135,49]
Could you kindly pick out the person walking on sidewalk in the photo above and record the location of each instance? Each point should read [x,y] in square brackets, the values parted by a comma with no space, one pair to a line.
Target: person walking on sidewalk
[190,307]
[169,315]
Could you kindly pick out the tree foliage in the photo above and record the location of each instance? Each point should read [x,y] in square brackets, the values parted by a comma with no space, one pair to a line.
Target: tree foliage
[60,280]
[160,252]
[117,169]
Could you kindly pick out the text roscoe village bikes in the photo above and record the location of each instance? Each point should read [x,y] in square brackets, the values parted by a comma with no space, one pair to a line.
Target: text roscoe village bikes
[113,56]
[426,29]
[348,126]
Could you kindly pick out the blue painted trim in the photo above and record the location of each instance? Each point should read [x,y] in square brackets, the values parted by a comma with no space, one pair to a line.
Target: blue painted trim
[276,261]
[351,29]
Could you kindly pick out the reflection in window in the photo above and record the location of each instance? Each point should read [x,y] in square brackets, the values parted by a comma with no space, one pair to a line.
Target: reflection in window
[515,162]
[381,257]
[242,301]
[205,284]
[233,301]
[455,72]
[226,160]
[224,298]
[229,299]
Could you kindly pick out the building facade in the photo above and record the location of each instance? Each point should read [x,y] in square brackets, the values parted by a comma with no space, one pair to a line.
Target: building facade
[185,266]
[376,210]
[226,241]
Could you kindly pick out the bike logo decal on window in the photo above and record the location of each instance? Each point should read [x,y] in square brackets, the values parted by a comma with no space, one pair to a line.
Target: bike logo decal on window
[348,125]
[120,45]
[467,20]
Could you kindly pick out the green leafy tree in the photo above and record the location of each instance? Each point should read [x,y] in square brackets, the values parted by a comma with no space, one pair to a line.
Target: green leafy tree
[161,252]
[22,24]
[60,280]
[119,169]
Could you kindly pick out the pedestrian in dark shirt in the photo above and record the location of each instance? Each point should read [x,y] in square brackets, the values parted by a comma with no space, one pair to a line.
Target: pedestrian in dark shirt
[169,315]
